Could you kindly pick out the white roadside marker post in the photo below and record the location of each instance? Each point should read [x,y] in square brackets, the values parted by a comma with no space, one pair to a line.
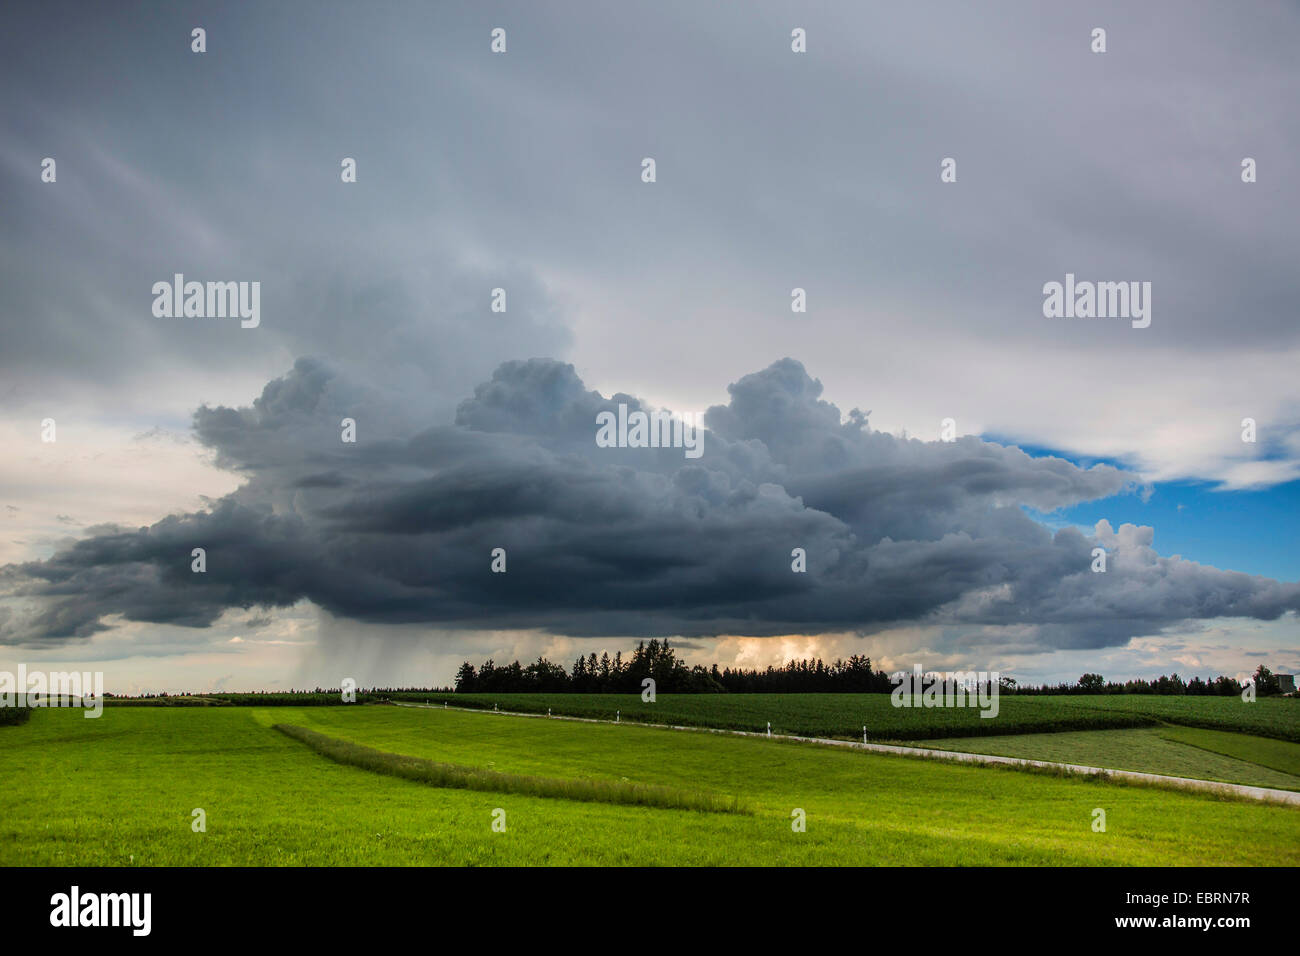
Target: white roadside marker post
[769,728]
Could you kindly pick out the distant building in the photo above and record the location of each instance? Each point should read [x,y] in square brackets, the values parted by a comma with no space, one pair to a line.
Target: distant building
[1286,683]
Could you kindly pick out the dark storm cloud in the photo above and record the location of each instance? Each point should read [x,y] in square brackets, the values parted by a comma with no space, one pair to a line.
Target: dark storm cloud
[399,529]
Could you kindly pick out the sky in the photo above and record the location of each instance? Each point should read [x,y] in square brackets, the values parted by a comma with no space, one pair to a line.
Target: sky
[775,170]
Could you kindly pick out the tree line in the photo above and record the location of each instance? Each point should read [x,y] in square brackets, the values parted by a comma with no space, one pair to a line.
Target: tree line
[1265,681]
[658,660]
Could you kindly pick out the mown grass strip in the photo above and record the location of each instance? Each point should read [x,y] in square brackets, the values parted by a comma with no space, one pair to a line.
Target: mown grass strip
[473,778]
[1280,755]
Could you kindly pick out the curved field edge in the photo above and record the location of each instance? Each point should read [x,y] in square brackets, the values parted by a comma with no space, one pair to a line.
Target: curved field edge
[458,777]
[1065,768]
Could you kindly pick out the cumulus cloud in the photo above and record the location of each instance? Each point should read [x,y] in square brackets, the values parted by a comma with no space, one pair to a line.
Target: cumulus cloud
[398,528]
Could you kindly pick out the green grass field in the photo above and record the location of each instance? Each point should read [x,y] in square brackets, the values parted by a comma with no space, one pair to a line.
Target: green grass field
[119,790]
[844,715]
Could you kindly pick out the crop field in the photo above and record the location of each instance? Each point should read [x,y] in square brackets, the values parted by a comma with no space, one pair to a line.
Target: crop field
[368,784]
[845,715]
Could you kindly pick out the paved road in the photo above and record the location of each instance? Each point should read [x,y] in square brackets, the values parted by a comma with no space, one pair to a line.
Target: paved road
[1183,783]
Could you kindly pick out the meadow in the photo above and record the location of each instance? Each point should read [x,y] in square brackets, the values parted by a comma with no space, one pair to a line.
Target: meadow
[845,715]
[121,790]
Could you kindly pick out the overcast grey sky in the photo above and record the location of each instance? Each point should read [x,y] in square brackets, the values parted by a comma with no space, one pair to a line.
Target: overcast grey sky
[522,170]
